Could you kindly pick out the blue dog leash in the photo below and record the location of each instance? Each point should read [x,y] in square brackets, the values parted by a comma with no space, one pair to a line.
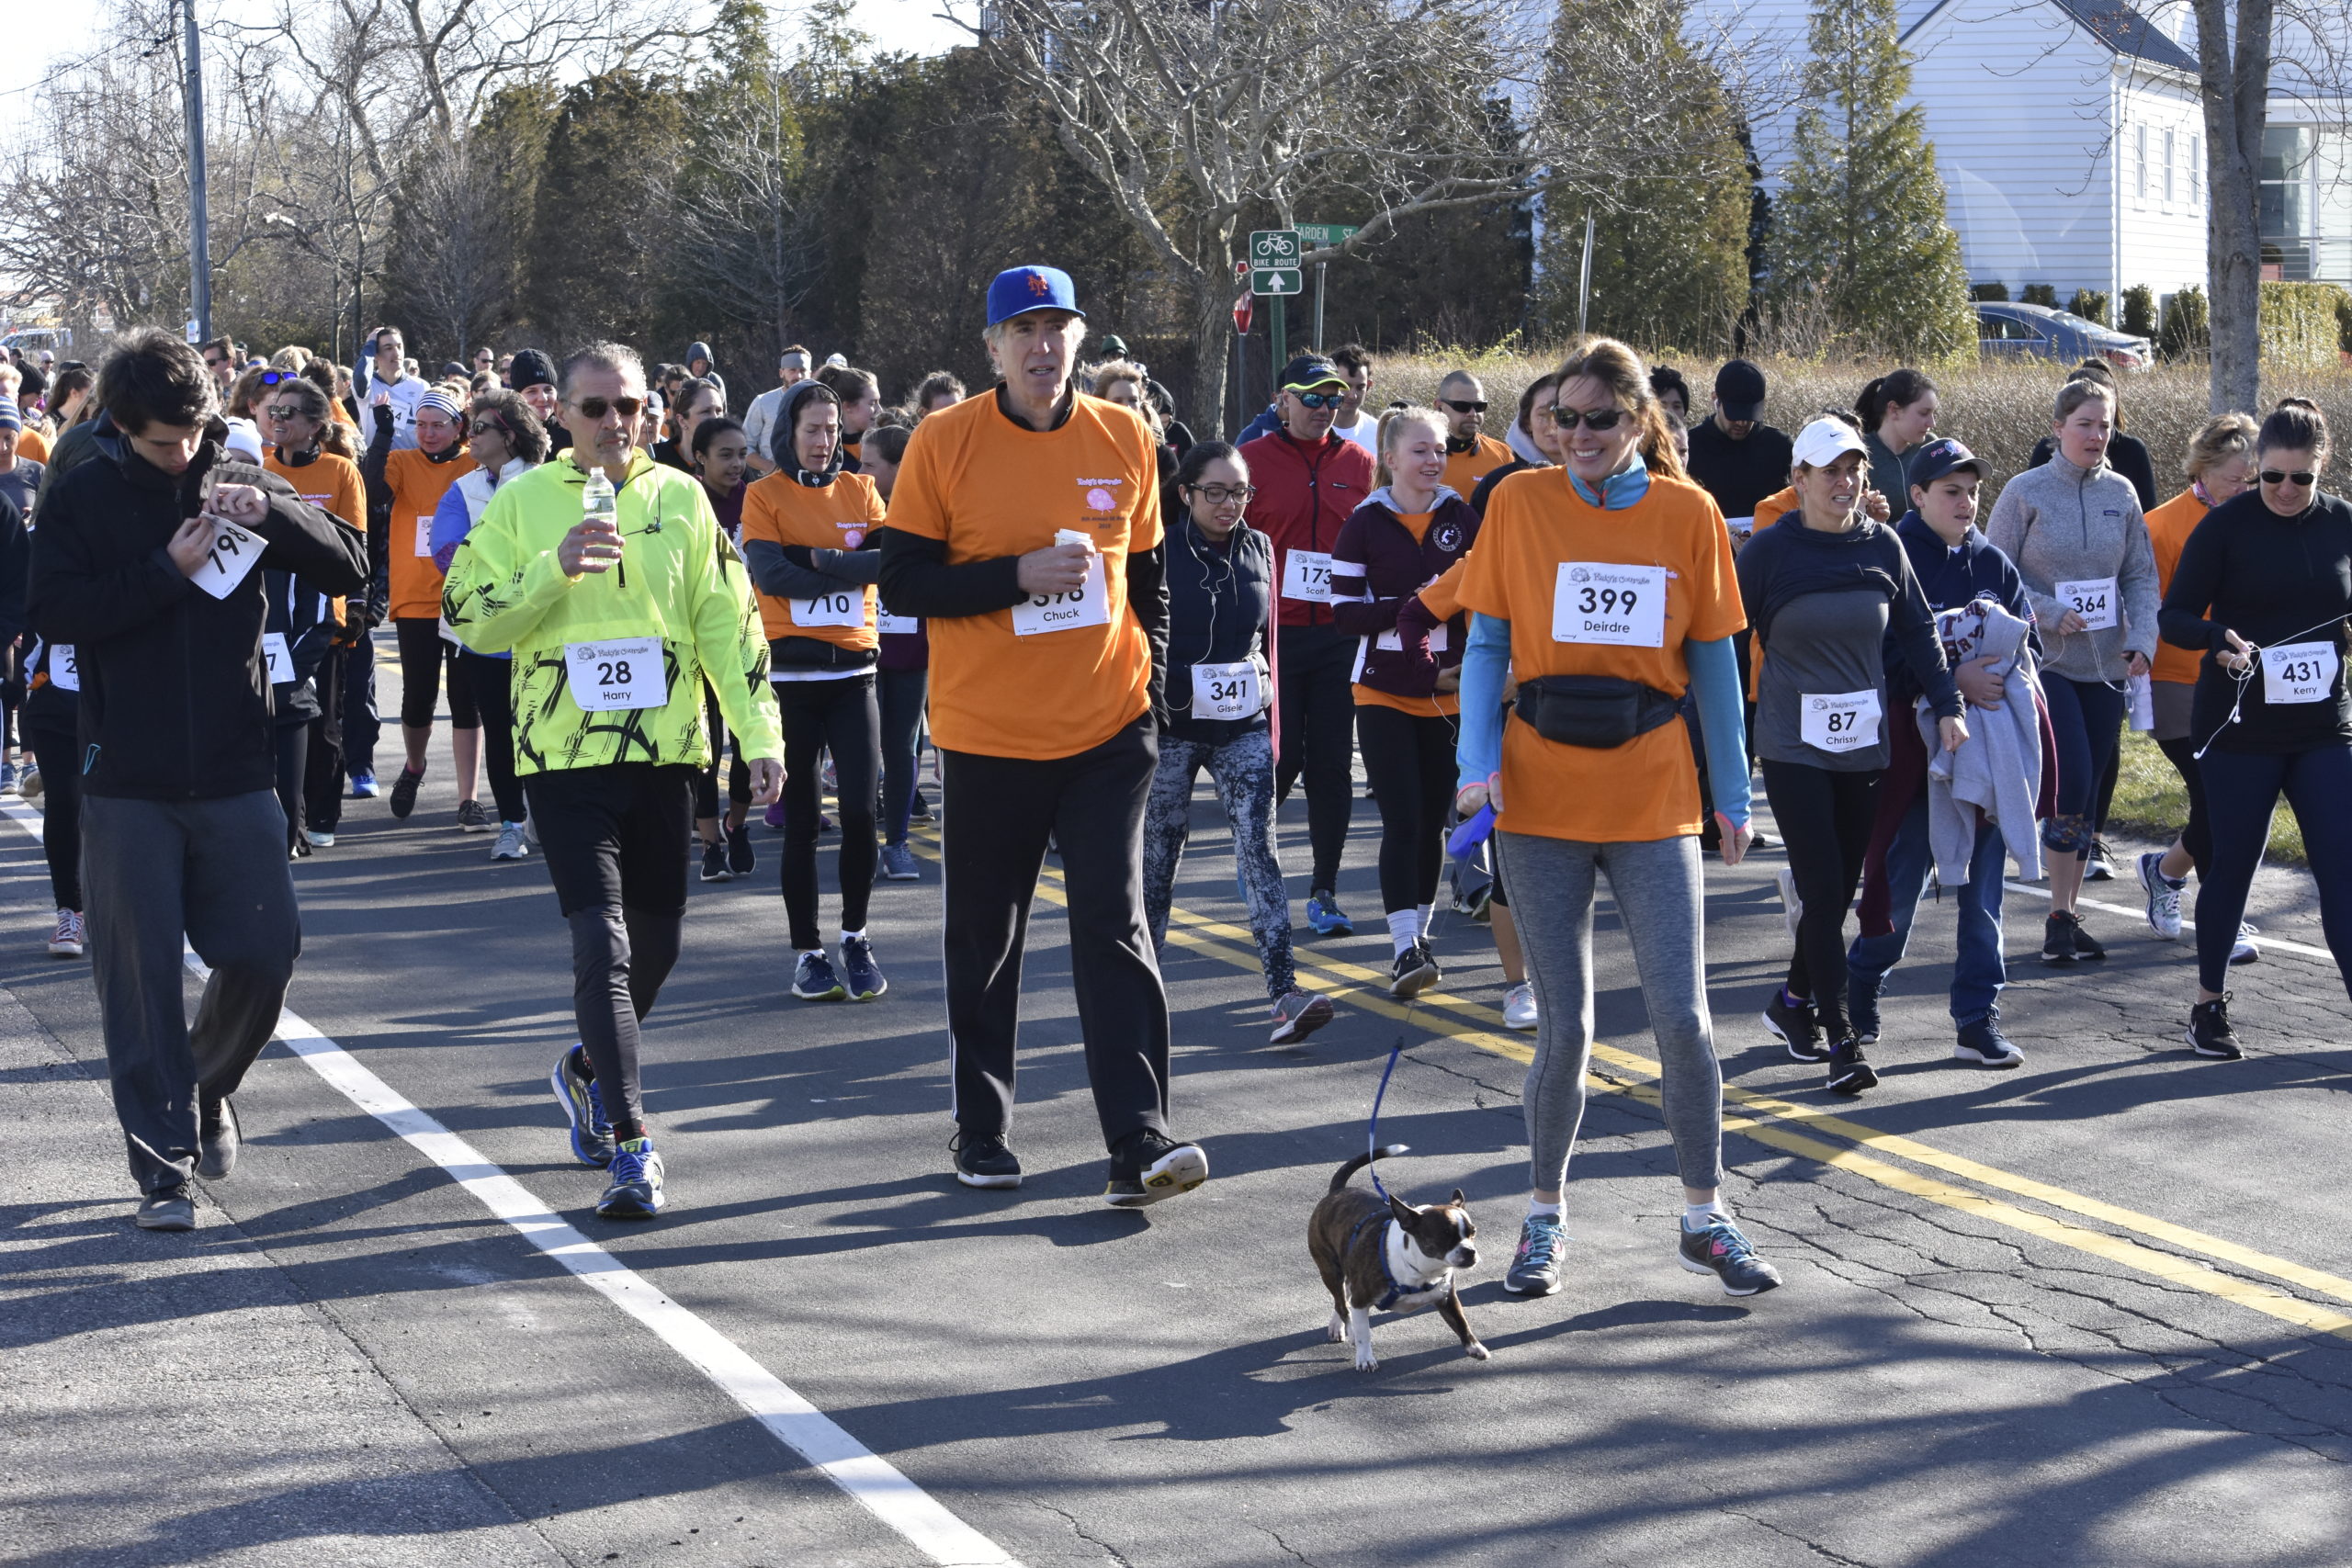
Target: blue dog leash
[1371,1133]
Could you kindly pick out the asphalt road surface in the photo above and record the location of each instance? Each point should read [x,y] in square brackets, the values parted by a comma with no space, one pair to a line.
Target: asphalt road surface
[2092,1312]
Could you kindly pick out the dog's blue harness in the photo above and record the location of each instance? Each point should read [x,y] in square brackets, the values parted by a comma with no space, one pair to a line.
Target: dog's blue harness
[1397,1290]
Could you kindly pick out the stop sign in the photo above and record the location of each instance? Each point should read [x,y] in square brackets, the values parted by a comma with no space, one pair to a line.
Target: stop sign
[1245,310]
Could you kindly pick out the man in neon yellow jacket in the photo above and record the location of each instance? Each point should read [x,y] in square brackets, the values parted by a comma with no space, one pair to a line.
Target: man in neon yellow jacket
[608,578]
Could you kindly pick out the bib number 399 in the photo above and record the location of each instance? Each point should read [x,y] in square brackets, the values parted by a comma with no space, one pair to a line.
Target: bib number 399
[1600,601]
[607,677]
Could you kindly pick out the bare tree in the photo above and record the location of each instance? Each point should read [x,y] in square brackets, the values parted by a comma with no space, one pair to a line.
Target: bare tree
[747,244]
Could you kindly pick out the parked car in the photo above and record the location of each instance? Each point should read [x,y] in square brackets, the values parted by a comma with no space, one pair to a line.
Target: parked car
[2007,330]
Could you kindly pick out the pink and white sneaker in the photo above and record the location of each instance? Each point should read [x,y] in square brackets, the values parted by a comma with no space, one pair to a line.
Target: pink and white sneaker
[65,942]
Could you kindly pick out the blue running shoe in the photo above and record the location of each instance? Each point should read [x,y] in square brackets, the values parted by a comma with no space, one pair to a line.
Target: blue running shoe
[1323,913]
[363,784]
[862,978]
[636,1189]
[592,1136]
[1535,1268]
[1721,1251]
[815,980]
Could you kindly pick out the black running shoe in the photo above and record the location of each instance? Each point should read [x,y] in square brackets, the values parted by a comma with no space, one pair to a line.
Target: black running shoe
[1414,971]
[1795,1026]
[1721,1251]
[404,790]
[741,860]
[220,1139]
[984,1162]
[2058,939]
[2209,1031]
[1149,1167]
[2087,947]
[714,864]
[920,810]
[1861,1011]
[1849,1072]
[1984,1043]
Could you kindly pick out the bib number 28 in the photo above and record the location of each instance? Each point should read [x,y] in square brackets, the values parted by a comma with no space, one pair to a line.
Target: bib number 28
[607,677]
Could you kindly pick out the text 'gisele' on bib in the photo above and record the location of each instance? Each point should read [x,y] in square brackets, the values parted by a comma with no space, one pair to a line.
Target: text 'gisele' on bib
[623,673]
[2093,598]
[1227,691]
[1086,606]
[2299,673]
[231,561]
[1600,601]
[843,607]
[1839,721]
[1306,574]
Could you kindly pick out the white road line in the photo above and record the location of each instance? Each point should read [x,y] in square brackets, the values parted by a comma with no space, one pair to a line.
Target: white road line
[868,1478]
[2266,939]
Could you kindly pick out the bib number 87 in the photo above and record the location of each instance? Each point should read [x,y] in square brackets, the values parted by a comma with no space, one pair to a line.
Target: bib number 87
[1606,600]
[1842,723]
[613,672]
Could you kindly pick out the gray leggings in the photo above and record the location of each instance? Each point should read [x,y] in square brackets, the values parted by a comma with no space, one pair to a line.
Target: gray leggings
[1657,887]
[1243,772]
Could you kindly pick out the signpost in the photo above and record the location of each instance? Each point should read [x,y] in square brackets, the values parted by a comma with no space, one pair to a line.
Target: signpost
[1275,273]
[1319,235]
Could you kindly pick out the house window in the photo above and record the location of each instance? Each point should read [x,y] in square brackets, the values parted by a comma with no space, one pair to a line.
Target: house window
[2196,170]
[2140,161]
[2168,185]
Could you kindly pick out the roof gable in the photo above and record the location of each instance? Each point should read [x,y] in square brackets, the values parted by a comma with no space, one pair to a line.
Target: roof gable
[2128,33]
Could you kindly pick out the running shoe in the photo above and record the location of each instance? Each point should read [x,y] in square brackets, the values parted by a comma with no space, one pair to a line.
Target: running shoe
[1149,1167]
[2209,1029]
[636,1189]
[1414,972]
[714,863]
[220,1138]
[512,844]
[773,816]
[813,979]
[1758,838]
[922,809]
[898,864]
[65,940]
[584,1108]
[1324,915]
[2086,946]
[862,975]
[363,784]
[1520,1010]
[2064,941]
[1792,906]
[2101,867]
[2246,949]
[1536,1266]
[472,818]
[1862,1013]
[833,779]
[1298,1014]
[741,857]
[2163,895]
[1984,1043]
[984,1162]
[1849,1071]
[28,786]
[1794,1025]
[404,790]
[1721,1251]
[7,778]
[318,839]
[173,1209]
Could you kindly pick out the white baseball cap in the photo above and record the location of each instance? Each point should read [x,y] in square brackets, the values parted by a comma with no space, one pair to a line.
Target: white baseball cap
[1825,441]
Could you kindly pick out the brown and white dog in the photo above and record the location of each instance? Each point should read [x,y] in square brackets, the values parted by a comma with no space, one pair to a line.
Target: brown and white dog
[1389,1255]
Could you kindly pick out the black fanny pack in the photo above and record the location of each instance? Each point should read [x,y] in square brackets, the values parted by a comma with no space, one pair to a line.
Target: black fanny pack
[1598,712]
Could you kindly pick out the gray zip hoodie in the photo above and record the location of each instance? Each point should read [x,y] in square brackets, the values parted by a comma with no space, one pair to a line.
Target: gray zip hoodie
[2063,524]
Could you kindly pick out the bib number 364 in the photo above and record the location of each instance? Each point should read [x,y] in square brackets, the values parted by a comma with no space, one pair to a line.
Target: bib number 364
[626,672]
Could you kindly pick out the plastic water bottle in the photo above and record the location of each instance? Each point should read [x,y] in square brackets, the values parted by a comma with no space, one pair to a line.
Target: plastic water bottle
[599,504]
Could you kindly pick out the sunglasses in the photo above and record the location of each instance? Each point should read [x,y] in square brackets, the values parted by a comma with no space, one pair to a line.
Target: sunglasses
[2301,479]
[1591,419]
[485,427]
[597,408]
[1217,495]
[1320,399]
[277,377]
[1459,406]
[284,411]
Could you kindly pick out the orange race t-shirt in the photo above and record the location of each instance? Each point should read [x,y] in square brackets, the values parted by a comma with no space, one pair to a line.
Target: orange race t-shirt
[417,484]
[1438,705]
[1536,554]
[1465,469]
[329,482]
[986,486]
[837,516]
[31,444]
[2170,526]
[1774,507]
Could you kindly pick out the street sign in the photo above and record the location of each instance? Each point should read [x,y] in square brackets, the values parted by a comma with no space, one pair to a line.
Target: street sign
[1320,234]
[1273,261]
[1245,311]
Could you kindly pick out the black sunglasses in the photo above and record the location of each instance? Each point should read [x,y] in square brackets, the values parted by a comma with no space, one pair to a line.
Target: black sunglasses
[596,407]
[2301,479]
[489,427]
[1593,419]
[1458,406]
[1319,399]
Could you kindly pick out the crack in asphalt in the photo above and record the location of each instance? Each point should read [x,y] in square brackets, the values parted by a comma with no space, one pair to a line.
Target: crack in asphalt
[1278,1540]
[1812,1546]
[1079,1530]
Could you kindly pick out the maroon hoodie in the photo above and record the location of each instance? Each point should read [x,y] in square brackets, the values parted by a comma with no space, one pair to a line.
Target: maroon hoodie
[1377,565]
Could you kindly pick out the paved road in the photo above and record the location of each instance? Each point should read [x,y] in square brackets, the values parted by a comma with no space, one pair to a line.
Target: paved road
[2092,1312]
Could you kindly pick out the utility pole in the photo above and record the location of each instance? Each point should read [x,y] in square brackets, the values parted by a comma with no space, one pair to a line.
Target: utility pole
[1584,276]
[200,250]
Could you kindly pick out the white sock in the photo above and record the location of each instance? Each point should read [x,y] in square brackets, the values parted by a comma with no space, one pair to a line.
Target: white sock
[1404,929]
[1538,1210]
[858,935]
[1427,913]
[1699,1216]
[812,953]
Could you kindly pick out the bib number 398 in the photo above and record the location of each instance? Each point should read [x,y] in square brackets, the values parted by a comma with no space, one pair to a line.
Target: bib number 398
[2300,672]
[1088,605]
[1600,601]
[607,677]
[1838,722]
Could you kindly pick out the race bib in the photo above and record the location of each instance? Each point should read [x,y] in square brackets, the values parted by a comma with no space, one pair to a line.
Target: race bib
[1306,574]
[2299,673]
[231,559]
[623,673]
[279,655]
[1086,606]
[1740,527]
[64,671]
[1600,601]
[1394,642]
[2093,599]
[898,625]
[843,607]
[424,537]
[1227,691]
[1845,721]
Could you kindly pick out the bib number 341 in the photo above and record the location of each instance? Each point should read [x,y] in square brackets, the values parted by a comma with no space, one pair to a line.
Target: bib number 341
[607,677]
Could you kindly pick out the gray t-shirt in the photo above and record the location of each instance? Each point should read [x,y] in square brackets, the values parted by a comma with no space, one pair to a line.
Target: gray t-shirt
[1823,646]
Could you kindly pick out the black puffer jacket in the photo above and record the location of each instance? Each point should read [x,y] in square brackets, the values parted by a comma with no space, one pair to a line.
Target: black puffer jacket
[176,698]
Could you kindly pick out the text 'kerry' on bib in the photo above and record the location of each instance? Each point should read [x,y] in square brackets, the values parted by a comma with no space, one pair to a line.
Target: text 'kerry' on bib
[1088,606]
[2300,672]
[626,672]
[1602,601]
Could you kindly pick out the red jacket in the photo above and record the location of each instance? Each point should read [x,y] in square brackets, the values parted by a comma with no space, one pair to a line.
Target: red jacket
[1305,494]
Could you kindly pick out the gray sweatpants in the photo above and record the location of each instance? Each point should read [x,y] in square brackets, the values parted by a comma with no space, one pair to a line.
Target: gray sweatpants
[1657,887]
[213,872]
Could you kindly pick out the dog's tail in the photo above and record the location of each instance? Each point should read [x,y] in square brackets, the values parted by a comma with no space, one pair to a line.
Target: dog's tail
[1340,1177]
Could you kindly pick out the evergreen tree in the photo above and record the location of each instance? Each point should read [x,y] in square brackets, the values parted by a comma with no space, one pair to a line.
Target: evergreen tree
[1860,223]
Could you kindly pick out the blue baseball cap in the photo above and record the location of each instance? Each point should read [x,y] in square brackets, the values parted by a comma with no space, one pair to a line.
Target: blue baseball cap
[1942,457]
[1020,289]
